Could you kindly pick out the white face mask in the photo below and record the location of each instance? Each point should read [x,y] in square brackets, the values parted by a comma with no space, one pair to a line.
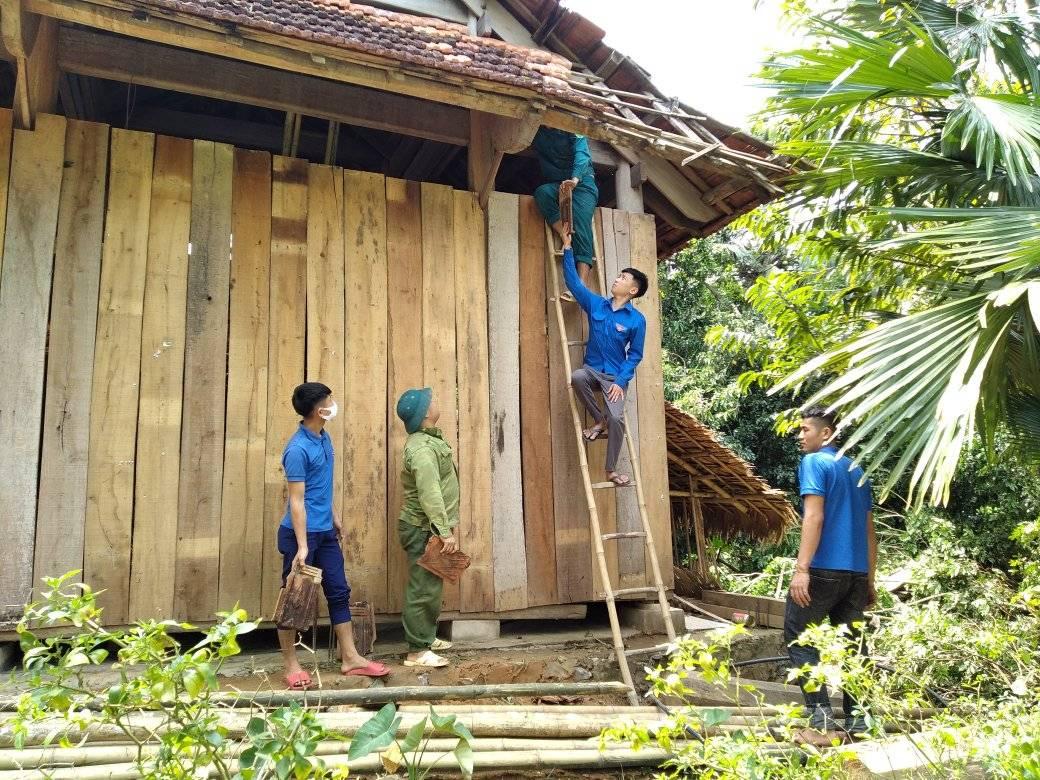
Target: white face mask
[328,412]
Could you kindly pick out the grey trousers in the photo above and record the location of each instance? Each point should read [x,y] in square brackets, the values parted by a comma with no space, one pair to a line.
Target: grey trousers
[586,381]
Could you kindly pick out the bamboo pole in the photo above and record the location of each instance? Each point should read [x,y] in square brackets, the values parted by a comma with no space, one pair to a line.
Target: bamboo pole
[587,709]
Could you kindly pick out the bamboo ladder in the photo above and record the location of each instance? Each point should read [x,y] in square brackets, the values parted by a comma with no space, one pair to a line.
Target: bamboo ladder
[598,536]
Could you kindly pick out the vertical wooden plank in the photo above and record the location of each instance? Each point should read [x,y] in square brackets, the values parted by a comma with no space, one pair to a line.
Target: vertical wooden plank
[25,287]
[631,559]
[439,355]
[405,358]
[242,517]
[286,350]
[365,451]
[535,431]
[205,383]
[117,371]
[573,538]
[152,562]
[6,137]
[606,501]
[491,525]
[653,443]
[325,298]
[70,351]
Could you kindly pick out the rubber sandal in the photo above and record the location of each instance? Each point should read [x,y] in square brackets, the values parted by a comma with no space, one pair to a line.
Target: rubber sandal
[299,681]
[621,480]
[428,659]
[441,644]
[373,669]
[592,434]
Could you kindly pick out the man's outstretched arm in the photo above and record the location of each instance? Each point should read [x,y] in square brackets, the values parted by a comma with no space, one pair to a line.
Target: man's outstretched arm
[582,294]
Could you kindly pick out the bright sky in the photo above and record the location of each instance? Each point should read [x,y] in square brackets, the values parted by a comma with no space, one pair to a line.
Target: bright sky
[701,51]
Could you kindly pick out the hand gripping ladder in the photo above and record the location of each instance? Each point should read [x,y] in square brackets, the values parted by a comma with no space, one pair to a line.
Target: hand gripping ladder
[598,536]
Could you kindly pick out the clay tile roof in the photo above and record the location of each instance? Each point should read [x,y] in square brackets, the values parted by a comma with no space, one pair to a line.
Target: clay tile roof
[734,499]
[419,40]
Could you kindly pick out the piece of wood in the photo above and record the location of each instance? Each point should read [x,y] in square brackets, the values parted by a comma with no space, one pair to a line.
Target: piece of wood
[117,367]
[35,190]
[326,300]
[70,363]
[6,137]
[699,539]
[205,373]
[649,381]
[491,137]
[157,476]
[404,360]
[535,431]
[476,522]
[632,567]
[503,322]
[440,365]
[33,43]
[628,187]
[286,350]
[242,517]
[368,259]
[90,53]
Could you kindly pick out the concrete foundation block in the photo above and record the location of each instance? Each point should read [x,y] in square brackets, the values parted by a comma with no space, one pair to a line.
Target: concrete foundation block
[475,630]
[646,618]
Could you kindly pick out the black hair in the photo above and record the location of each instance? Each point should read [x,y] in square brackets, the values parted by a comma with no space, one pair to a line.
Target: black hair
[829,419]
[640,279]
[308,395]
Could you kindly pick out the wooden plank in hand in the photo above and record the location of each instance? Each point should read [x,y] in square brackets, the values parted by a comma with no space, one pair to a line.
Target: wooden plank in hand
[70,352]
[157,485]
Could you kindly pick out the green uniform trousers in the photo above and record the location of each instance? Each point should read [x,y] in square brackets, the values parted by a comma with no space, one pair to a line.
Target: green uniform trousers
[423,592]
[583,206]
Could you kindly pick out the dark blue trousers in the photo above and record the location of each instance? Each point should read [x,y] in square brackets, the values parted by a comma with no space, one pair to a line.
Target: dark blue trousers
[324,552]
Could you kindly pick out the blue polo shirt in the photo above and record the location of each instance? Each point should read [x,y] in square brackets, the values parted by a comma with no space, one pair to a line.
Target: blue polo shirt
[615,337]
[309,458]
[846,503]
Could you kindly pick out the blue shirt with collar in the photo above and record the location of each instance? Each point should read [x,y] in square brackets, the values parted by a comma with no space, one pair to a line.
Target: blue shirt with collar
[615,336]
[846,504]
[308,458]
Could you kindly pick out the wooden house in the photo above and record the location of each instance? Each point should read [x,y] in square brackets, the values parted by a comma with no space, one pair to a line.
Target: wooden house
[205,202]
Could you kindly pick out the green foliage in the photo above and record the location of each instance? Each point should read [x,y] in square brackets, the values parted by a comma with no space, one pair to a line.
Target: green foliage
[379,735]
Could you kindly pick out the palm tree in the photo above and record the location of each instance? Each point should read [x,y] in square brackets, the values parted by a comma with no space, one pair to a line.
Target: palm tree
[921,121]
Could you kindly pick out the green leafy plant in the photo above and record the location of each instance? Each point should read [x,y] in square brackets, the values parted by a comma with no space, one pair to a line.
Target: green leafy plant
[379,735]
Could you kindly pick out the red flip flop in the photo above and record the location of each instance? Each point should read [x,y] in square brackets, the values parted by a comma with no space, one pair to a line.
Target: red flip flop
[298,681]
[373,669]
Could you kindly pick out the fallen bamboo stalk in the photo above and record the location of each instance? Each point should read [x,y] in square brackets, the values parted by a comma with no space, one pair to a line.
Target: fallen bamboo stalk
[690,605]
[581,709]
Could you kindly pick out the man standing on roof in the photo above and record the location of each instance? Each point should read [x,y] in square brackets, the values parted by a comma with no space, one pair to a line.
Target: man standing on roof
[566,163]
[837,558]
[430,485]
[310,531]
[615,347]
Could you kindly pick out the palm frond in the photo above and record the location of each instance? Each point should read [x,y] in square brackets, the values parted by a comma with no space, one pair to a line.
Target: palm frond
[999,130]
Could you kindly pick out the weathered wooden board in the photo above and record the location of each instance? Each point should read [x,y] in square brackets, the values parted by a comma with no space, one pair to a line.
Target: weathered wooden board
[405,358]
[154,541]
[242,517]
[70,362]
[286,350]
[439,353]
[325,299]
[632,569]
[491,516]
[653,442]
[535,432]
[25,285]
[6,136]
[117,370]
[205,378]
[365,451]
[573,538]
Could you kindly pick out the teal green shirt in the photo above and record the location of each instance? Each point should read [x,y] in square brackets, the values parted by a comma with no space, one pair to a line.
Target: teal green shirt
[430,482]
[562,155]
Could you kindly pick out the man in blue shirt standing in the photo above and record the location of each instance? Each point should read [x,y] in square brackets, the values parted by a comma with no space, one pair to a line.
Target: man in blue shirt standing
[837,558]
[615,347]
[310,530]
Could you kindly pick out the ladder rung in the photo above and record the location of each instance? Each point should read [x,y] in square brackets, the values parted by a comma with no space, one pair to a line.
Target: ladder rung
[558,252]
[634,591]
[624,535]
[647,650]
[609,484]
[576,343]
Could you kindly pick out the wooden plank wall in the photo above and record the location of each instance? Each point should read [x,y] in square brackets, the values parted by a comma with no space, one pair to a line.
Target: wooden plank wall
[147,448]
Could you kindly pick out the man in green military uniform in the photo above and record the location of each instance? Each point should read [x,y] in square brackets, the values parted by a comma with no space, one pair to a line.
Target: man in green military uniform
[430,485]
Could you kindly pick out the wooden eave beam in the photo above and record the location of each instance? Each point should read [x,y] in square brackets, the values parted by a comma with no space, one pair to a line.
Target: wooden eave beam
[131,60]
[491,138]
[31,41]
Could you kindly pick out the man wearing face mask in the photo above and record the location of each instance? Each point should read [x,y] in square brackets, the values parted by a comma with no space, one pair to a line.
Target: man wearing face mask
[311,529]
